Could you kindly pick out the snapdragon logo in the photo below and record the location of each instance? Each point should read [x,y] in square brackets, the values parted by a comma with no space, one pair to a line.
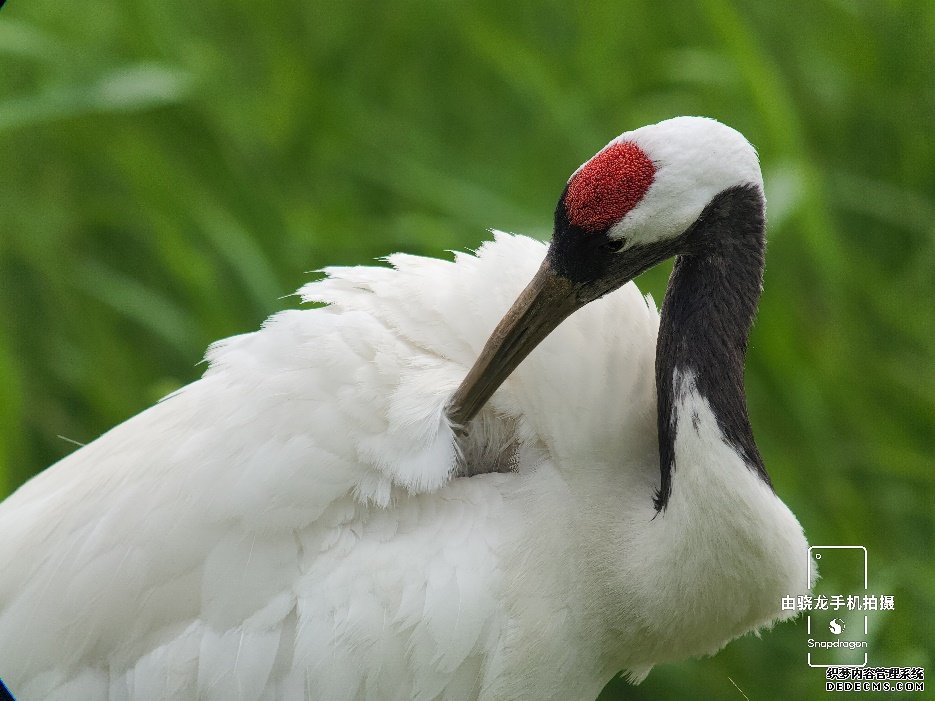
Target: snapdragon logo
[836,645]
[841,611]
[839,603]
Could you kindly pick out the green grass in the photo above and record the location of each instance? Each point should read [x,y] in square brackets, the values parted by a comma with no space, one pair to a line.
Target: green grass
[171,169]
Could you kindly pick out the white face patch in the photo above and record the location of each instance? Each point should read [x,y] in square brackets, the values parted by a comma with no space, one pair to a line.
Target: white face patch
[695,159]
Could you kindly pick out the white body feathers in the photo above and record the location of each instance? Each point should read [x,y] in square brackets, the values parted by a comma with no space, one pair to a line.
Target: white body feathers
[288,526]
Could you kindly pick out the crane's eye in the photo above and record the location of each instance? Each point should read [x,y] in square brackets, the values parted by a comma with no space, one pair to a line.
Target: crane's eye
[612,246]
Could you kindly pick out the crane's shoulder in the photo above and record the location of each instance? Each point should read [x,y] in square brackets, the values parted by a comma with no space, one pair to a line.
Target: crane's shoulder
[599,360]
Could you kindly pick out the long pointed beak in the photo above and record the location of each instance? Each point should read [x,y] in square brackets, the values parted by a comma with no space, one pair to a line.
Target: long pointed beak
[547,301]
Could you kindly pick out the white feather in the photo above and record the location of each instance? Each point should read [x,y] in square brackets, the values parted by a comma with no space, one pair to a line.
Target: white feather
[695,158]
[288,526]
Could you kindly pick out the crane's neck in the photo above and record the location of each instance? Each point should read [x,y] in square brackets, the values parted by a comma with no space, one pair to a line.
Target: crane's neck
[709,308]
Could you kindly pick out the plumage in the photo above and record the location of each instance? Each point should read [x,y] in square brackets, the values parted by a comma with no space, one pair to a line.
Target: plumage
[300,522]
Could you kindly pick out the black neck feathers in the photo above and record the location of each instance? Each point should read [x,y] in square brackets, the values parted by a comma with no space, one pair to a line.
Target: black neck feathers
[708,311]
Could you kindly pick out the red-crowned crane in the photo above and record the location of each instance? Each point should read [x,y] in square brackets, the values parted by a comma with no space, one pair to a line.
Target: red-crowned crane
[365,501]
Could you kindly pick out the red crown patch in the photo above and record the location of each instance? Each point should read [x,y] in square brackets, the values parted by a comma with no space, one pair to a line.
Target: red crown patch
[608,186]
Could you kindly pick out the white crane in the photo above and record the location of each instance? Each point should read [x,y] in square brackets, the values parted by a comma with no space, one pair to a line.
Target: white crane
[341,509]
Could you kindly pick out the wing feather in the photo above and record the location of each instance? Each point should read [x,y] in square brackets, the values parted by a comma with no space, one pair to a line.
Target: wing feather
[264,531]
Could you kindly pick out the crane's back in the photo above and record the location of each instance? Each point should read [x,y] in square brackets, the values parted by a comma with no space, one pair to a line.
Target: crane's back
[288,525]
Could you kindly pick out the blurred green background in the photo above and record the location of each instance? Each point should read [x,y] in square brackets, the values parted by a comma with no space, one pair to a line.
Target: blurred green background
[170,170]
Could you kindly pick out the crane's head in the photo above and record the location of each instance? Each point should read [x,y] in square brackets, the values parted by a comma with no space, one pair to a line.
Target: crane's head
[638,201]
